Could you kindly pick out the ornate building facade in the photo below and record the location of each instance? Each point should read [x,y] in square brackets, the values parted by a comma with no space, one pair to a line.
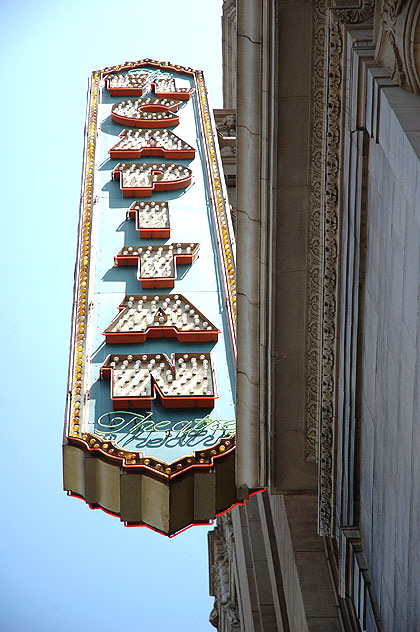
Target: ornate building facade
[327,205]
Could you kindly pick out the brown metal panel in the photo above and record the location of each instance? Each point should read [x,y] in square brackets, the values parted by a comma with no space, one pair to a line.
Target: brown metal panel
[226,494]
[181,503]
[108,482]
[155,504]
[73,470]
[204,496]
[131,497]
[91,481]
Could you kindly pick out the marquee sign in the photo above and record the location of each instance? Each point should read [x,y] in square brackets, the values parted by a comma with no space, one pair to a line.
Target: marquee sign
[150,422]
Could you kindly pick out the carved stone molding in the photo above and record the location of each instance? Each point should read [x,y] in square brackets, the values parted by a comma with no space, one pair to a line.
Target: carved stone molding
[398,41]
[323,255]
[355,15]
[225,120]
[225,613]
[325,233]
[329,278]
[229,5]
[324,291]
[227,126]
[229,53]
[399,34]
[315,237]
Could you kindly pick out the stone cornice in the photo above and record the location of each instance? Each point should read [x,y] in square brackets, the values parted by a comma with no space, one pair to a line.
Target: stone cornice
[324,243]
[329,278]
[398,41]
[315,237]
[355,15]
[323,255]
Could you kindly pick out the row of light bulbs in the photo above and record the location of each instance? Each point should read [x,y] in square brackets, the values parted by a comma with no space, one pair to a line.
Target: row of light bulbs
[151,214]
[142,174]
[138,139]
[132,80]
[190,375]
[141,314]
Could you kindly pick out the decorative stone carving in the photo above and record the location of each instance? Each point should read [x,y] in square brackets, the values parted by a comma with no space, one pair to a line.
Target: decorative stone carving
[232,613]
[229,53]
[399,34]
[229,6]
[227,127]
[214,617]
[398,41]
[225,120]
[225,613]
[315,236]
[355,15]
[324,243]
[329,279]
[323,255]
[228,151]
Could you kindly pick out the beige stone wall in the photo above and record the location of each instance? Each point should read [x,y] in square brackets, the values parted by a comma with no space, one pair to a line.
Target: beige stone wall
[273,188]
[273,110]
[390,440]
[229,53]
[328,203]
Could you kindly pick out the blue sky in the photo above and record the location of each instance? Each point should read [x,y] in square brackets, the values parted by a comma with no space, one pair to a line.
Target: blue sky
[63,566]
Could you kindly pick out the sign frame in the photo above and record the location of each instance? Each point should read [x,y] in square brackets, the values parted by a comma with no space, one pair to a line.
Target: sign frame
[141,490]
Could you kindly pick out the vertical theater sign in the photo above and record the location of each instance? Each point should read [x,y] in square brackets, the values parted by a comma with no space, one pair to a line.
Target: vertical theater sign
[150,423]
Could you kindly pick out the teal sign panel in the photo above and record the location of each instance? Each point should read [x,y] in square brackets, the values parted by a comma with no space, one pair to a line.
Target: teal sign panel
[152,372]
